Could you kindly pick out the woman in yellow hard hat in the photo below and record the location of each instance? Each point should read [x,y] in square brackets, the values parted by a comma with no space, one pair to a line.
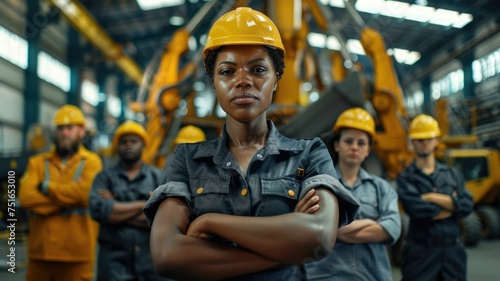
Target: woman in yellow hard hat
[377,224]
[435,197]
[250,204]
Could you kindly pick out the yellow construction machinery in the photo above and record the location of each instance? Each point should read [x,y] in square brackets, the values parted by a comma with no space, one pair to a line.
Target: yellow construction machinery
[481,170]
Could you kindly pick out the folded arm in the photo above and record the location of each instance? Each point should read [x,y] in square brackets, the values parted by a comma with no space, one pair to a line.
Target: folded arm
[30,197]
[413,204]
[76,194]
[139,221]
[182,257]
[288,239]
[363,231]
[442,200]
[105,209]
[207,260]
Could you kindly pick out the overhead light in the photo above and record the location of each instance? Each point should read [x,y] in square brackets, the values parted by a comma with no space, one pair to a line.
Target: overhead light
[412,58]
[156,4]
[395,9]
[419,13]
[370,6]
[317,40]
[443,17]
[400,54]
[355,47]
[176,21]
[462,20]
[337,3]
[415,12]
[404,56]
[333,43]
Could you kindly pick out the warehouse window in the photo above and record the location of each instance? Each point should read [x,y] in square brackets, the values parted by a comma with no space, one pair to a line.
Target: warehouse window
[53,71]
[487,66]
[448,85]
[90,92]
[13,48]
[114,105]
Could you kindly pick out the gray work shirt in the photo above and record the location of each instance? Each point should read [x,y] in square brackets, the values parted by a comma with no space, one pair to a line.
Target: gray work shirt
[209,179]
[123,249]
[367,261]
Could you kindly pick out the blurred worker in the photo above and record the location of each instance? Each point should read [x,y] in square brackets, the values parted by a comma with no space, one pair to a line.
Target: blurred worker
[189,134]
[360,252]
[116,201]
[251,204]
[55,189]
[435,198]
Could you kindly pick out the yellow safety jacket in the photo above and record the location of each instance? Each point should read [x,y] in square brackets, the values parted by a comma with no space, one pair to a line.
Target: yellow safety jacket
[56,195]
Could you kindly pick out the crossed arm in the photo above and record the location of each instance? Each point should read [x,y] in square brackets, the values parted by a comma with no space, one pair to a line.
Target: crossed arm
[442,200]
[125,212]
[56,196]
[180,250]
[363,231]
[105,209]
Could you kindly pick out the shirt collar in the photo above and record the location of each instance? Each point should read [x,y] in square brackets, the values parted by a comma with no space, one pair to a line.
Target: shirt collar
[439,166]
[363,175]
[142,172]
[218,149]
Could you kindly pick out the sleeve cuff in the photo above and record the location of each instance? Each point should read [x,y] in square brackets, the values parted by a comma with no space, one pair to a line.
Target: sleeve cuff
[348,205]
[107,206]
[162,192]
[391,230]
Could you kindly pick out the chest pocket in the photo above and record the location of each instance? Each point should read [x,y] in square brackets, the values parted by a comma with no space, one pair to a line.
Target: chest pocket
[369,203]
[279,196]
[210,195]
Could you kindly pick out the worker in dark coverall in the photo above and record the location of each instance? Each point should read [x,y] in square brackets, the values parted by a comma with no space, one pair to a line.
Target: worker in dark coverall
[435,198]
[231,208]
[116,201]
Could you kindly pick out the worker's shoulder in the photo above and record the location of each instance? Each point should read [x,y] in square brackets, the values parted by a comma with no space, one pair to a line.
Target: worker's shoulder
[40,156]
[379,181]
[286,143]
[407,172]
[152,169]
[89,155]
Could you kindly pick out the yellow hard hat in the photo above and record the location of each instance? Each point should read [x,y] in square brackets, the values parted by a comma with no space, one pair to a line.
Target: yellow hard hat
[69,115]
[356,118]
[130,128]
[243,26]
[424,127]
[189,134]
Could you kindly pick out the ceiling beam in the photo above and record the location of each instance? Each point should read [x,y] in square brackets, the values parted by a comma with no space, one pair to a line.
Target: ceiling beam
[82,21]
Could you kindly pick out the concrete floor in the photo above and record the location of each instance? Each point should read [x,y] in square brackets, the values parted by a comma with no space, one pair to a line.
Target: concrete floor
[483,263]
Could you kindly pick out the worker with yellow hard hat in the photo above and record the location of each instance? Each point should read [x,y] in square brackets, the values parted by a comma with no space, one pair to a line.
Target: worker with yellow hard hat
[435,197]
[55,190]
[252,203]
[189,134]
[116,201]
[377,224]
